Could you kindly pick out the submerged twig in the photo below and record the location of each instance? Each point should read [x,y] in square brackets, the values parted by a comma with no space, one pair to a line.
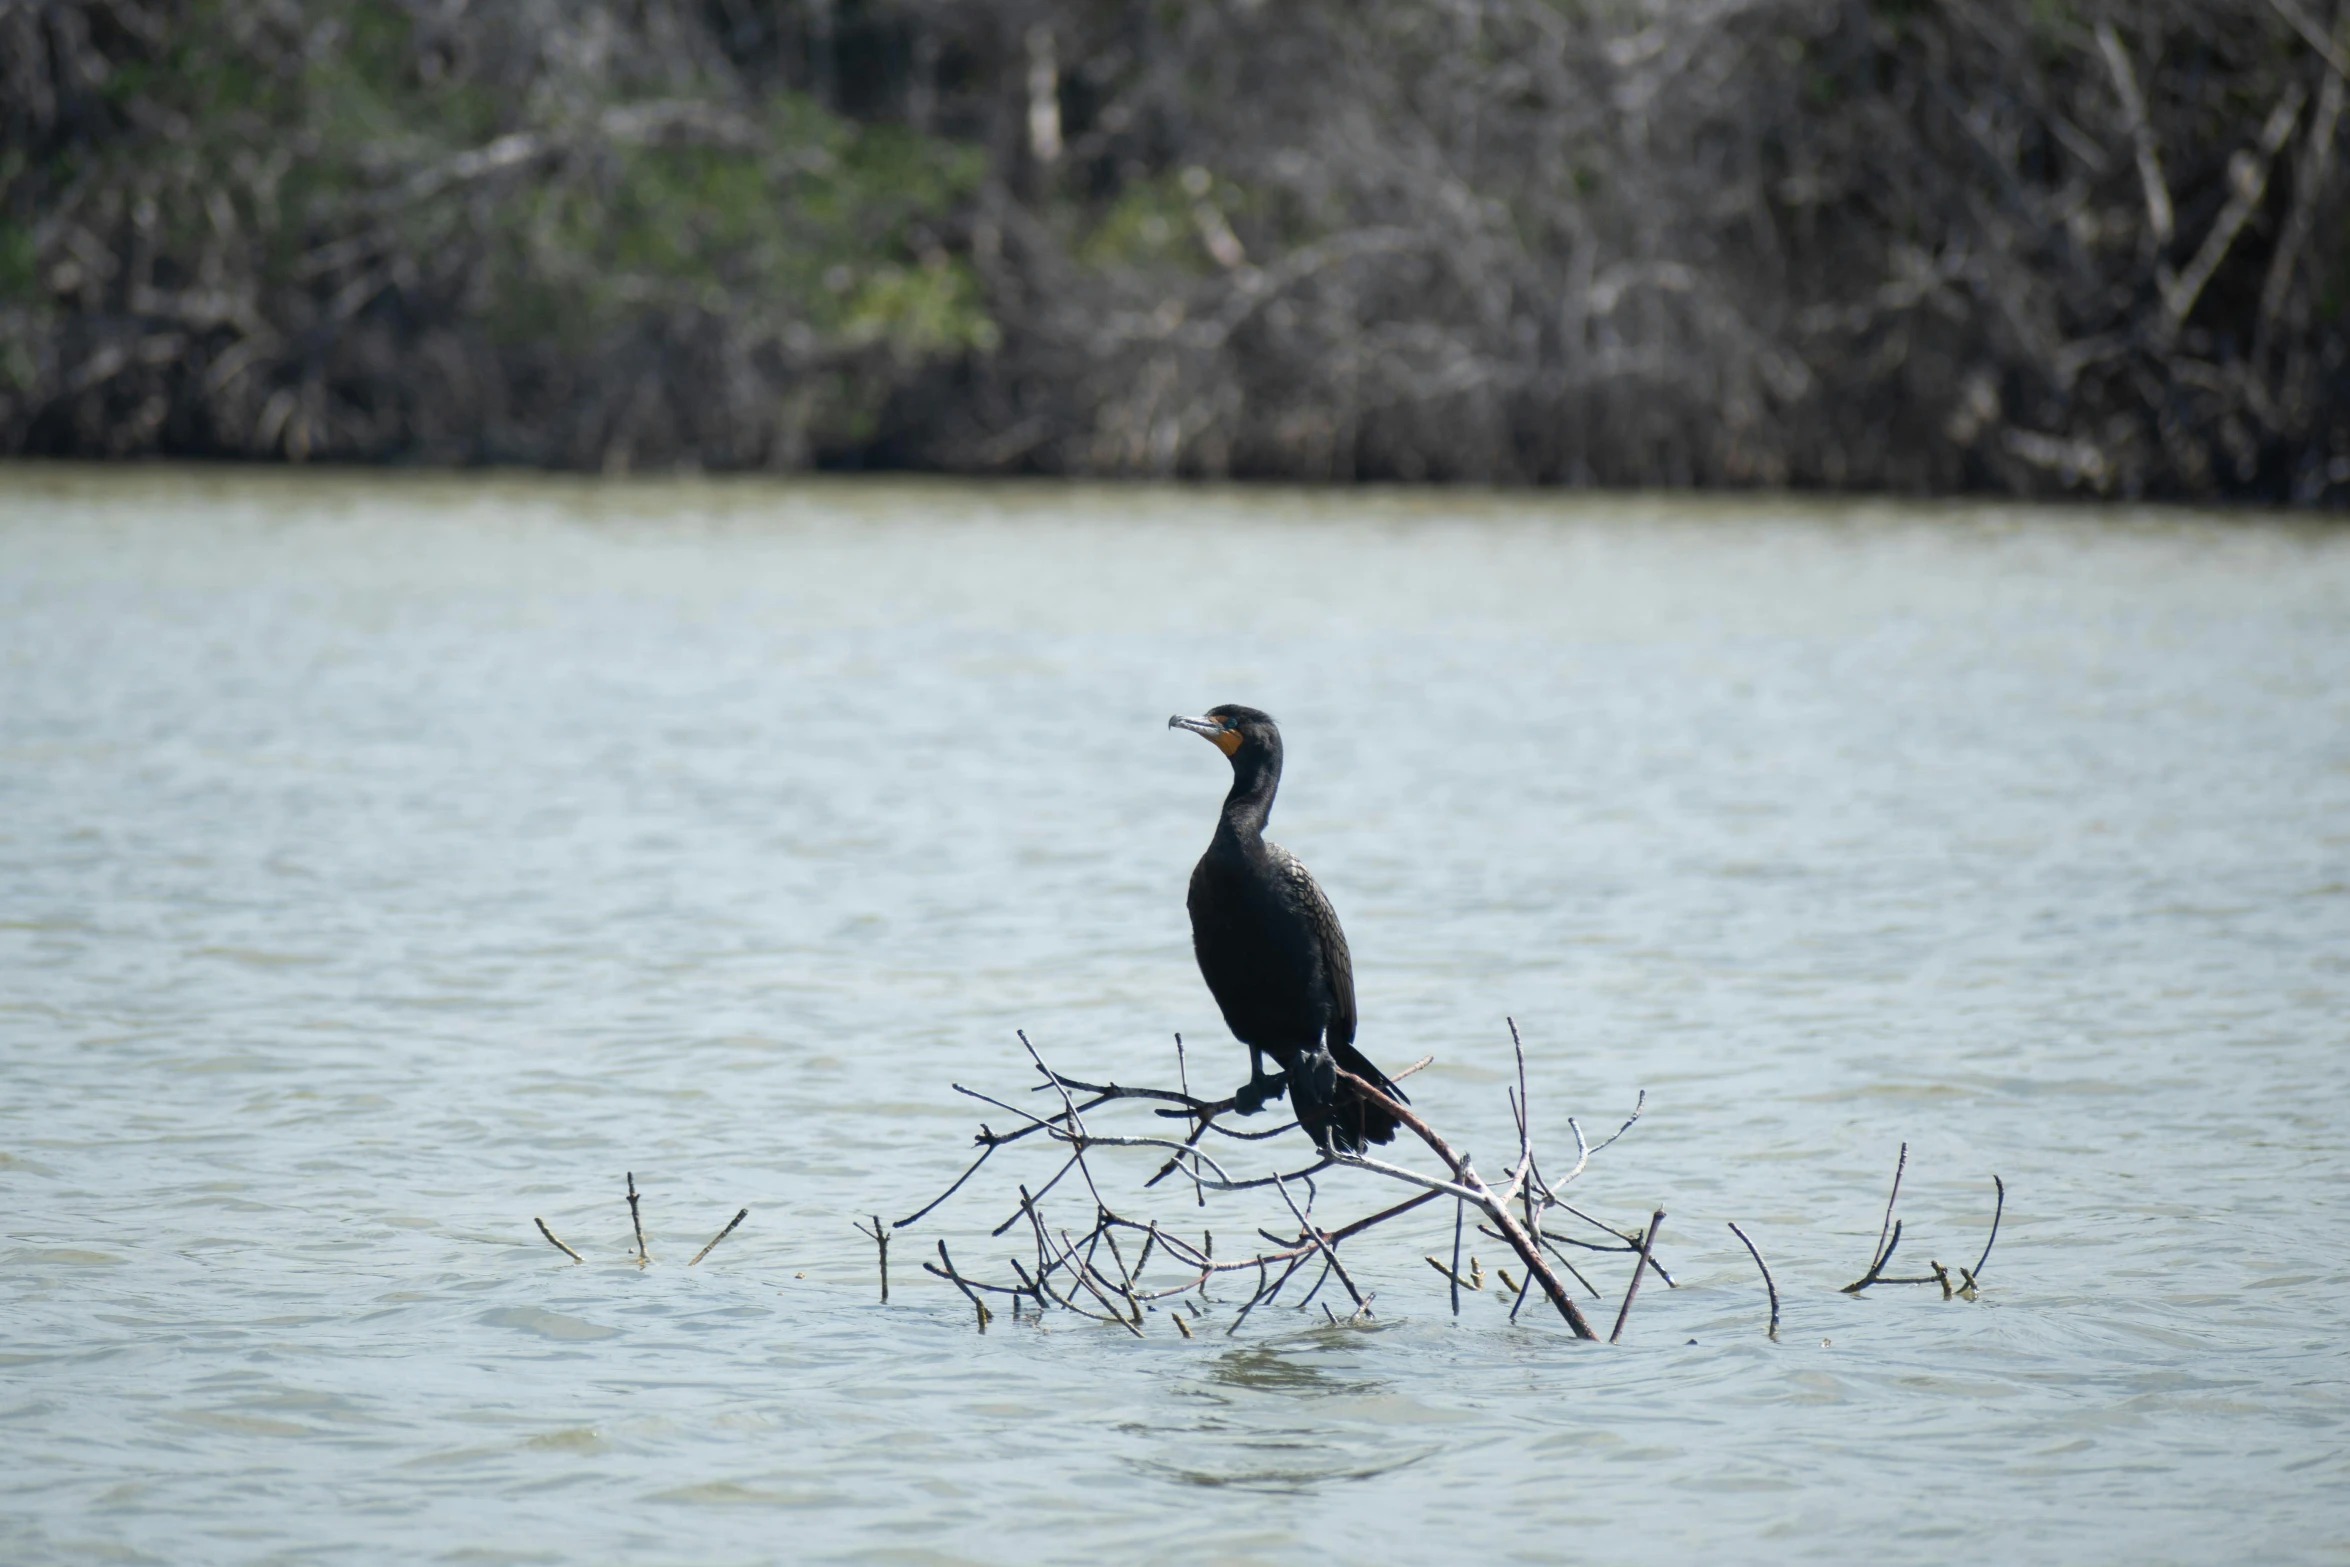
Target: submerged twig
[721,1235]
[1458,1283]
[1768,1282]
[1875,1275]
[956,1279]
[1322,1243]
[1877,1257]
[1976,1272]
[1970,1279]
[635,1222]
[1888,1235]
[879,1235]
[1460,1212]
[1496,1205]
[1655,1222]
[556,1242]
[991,1143]
[1936,1274]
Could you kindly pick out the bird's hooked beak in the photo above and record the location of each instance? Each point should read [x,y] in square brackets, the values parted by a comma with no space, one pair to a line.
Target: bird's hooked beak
[1226,738]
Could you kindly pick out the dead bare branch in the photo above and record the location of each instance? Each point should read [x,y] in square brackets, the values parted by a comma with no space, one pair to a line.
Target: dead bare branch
[1769,1283]
[740,1215]
[556,1243]
[1639,1270]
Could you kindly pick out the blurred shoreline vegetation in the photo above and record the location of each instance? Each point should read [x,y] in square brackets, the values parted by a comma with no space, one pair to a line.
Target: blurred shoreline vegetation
[2022,246]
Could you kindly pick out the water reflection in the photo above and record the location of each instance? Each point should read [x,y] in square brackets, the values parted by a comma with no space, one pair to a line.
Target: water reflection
[1282,1368]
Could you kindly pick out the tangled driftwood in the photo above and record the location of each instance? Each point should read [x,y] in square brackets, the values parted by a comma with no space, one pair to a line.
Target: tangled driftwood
[1084,1270]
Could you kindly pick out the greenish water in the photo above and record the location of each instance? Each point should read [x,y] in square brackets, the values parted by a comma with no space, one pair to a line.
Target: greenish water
[386,861]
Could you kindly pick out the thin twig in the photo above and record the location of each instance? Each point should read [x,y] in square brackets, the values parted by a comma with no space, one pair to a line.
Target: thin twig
[1029,1285]
[1976,1272]
[722,1234]
[1639,1107]
[1458,1283]
[1655,1222]
[1084,1274]
[1552,1242]
[1199,1196]
[880,1237]
[1329,1251]
[1109,1233]
[1041,1193]
[1583,1154]
[1522,1289]
[1320,1279]
[991,1145]
[1076,1127]
[1630,1238]
[635,1223]
[1876,1268]
[1496,1206]
[1521,1105]
[956,1279]
[1768,1282]
[1382,1216]
[1877,1257]
[1571,1268]
[1459,1212]
[553,1241]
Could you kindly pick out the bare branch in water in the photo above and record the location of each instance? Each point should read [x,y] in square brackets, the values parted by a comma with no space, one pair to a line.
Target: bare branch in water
[1086,1269]
[636,1223]
[1970,1279]
[556,1243]
[1496,1206]
[1876,1268]
[1768,1282]
[879,1235]
[1888,1241]
[1877,1257]
[1975,1273]
[721,1235]
[643,1256]
[991,1144]
[1322,1243]
[951,1276]
[1065,1271]
[1639,1270]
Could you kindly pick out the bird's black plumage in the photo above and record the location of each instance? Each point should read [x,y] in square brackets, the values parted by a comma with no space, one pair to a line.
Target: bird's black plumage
[1270,947]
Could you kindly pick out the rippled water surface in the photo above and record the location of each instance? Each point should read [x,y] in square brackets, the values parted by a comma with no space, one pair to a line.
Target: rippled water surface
[385,862]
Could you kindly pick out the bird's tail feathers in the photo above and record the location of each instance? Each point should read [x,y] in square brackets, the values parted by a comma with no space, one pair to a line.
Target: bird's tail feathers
[1338,1115]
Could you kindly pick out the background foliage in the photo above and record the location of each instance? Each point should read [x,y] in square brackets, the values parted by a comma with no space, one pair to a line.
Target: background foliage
[2020,245]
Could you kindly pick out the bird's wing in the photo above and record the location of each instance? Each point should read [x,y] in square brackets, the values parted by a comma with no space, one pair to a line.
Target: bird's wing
[1338,968]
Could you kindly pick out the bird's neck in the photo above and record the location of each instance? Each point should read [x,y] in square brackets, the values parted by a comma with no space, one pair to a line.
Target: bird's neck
[1250,802]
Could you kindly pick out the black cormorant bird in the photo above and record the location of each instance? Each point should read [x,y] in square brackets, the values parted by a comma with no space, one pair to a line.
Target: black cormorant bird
[1271,951]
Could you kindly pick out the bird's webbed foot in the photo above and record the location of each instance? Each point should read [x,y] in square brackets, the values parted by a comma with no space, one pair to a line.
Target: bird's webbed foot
[1250,1097]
